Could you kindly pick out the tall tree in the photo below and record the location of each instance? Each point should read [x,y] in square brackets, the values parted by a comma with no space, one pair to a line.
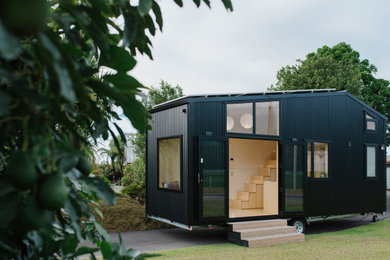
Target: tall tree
[154,96]
[338,67]
[52,103]
[116,156]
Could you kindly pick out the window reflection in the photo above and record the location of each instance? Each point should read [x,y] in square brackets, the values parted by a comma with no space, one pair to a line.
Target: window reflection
[309,160]
[371,161]
[240,118]
[169,155]
[267,118]
[320,160]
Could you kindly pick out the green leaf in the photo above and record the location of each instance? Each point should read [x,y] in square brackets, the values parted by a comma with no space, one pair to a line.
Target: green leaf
[9,45]
[228,4]
[106,250]
[84,250]
[150,25]
[74,217]
[6,188]
[69,244]
[123,81]
[132,108]
[67,163]
[135,111]
[144,6]
[9,206]
[197,2]
[129,30]
[98,212]
[122,135]
[179,2]
[101,231]
[122,245]
[118,147]
[100,5]
[207,2]
[102,190]
[5,100]
[118,59]
[157,13]
[64,79]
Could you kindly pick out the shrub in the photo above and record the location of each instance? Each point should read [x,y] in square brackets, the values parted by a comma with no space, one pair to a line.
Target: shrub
[135,191]
[134,172]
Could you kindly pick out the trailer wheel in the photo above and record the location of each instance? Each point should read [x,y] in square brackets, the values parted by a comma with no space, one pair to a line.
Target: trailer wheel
[299,224]
[375,218]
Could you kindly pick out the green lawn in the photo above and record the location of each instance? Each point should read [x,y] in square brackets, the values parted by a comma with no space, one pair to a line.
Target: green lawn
[371,241]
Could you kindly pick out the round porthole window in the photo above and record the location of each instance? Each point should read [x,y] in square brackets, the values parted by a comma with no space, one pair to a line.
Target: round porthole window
[229,123]
[246,121]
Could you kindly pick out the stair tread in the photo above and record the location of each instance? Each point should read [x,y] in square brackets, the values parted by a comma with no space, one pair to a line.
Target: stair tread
[257,221]
[273,236]
[264,228]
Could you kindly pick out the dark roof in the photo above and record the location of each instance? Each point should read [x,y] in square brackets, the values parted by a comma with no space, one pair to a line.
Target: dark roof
[183,100]
[298,91]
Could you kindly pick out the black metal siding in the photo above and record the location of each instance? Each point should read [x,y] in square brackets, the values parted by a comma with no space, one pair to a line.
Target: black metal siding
[338,120]
[204,118]
[171,205]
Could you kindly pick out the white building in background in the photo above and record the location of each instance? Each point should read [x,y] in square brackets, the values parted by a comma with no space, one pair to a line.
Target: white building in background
[129,150]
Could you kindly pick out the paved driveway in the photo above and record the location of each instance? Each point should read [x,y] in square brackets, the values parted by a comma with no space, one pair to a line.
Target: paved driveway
[153,240]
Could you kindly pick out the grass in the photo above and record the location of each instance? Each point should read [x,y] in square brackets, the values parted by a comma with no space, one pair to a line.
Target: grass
[126,215]
[371,241]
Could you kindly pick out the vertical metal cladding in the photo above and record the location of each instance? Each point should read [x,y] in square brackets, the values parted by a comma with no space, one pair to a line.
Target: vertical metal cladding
[336,118]
[172,205]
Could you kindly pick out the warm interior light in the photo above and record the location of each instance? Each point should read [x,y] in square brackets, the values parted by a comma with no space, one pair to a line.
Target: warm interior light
[246,120]
[229,123]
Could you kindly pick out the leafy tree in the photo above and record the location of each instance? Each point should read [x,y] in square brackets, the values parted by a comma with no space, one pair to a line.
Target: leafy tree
[52,104]
[154,96]
[338,67]
[117,157]
[134,172]
[163,93]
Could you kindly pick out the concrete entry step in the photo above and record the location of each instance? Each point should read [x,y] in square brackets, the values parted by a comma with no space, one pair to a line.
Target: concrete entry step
[263,233]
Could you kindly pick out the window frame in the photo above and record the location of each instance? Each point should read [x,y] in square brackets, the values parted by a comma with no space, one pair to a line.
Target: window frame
[373,120]
[253,117]
[181,163]
[253,133]
[311,177]
[366,161]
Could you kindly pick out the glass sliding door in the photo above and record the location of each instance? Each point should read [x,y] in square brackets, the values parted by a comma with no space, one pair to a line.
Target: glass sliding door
[293,177]
[211,177]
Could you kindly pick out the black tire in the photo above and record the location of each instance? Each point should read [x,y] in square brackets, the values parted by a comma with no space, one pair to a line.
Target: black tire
[375,218]
[299,224]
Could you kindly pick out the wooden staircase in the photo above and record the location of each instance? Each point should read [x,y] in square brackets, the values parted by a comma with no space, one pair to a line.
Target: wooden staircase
[252,197]
[263,233]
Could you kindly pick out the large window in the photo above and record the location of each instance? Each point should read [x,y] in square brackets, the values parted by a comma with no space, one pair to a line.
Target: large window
[267,118]
[240,118]
[169,163]
[370,123]
[371,161]
[318,160]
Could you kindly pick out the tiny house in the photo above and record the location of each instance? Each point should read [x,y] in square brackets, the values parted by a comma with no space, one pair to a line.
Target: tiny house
[213,159]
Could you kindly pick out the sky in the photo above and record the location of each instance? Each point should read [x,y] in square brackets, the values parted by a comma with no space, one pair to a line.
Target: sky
[216,51]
